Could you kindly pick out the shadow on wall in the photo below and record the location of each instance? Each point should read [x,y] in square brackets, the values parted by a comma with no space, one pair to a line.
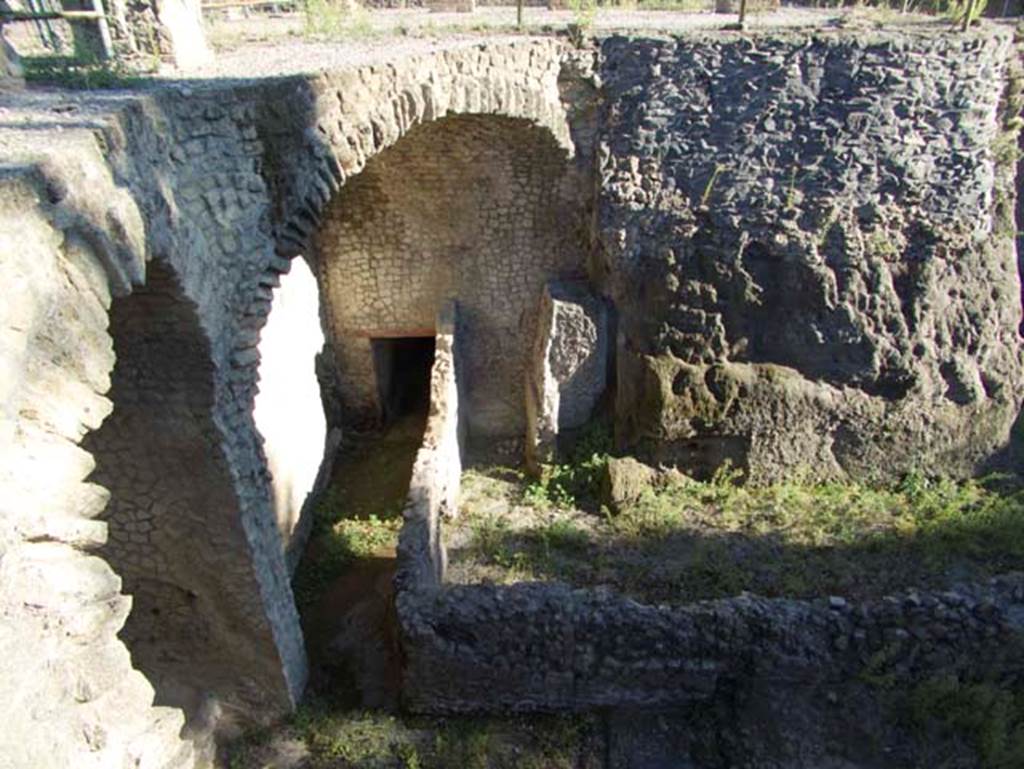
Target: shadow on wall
[174,535]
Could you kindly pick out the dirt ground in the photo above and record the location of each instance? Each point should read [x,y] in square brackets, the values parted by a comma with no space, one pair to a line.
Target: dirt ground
[253,44]
[715,540]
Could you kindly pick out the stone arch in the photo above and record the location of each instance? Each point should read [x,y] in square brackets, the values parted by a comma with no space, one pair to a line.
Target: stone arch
[485,209]
[198,629]
[357,114]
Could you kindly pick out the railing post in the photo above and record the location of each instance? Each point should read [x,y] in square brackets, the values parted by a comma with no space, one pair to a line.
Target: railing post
[91,36]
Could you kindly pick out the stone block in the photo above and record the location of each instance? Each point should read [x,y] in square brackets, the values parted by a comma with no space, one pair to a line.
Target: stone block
[624,481]
[569,367]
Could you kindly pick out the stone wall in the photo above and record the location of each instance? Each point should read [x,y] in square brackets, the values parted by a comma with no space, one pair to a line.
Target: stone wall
[569,366]
[547,647]
[193,162]
[485,209]
[437,469]
[214,188]
[809,239]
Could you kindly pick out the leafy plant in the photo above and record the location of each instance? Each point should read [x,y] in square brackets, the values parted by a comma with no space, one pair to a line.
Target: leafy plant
[335,18]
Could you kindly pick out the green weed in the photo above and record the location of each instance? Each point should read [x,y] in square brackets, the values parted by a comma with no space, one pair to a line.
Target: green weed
[335,19]
[336,541]
[689,540]
[463,743]
[70,72]
[989,717]
[574,482]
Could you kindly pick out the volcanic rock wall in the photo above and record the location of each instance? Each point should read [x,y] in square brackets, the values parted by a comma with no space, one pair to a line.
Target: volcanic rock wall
[810,240]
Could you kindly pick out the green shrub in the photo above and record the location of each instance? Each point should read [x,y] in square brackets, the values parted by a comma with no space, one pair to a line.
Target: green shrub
[334,19]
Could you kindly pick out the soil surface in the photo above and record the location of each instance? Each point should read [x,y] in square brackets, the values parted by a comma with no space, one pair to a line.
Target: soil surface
[348,618]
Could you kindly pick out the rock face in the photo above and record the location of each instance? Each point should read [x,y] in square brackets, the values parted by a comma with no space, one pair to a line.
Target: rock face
[810,244]
[570,363]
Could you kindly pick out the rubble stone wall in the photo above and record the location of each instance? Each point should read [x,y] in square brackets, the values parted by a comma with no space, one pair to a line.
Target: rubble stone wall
[546,647]
[437,470]
[810,242]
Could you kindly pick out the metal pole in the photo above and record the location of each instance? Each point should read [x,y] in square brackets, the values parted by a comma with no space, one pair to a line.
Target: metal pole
[519,14]
[105,40]
[743,13]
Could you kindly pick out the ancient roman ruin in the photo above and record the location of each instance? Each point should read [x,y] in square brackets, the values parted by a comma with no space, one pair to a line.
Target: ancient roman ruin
[793,251]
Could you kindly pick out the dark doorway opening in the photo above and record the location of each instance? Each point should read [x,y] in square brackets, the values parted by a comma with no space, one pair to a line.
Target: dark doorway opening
[403,375]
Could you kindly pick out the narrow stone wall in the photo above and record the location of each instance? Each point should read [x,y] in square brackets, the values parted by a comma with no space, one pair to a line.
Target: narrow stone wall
[437,470]
[208,216]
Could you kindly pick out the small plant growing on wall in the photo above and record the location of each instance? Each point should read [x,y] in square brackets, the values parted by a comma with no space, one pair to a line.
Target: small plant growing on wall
[583,14]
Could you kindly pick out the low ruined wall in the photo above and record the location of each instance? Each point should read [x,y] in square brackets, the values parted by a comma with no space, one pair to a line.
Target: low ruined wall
[547,647]
[437,470]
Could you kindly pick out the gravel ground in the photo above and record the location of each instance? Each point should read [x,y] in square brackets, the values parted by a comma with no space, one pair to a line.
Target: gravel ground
[265,45]
[273,46]
[37,121]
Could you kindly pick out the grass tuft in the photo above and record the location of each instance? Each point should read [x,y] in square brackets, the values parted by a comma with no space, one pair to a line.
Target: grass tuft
[69,72]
